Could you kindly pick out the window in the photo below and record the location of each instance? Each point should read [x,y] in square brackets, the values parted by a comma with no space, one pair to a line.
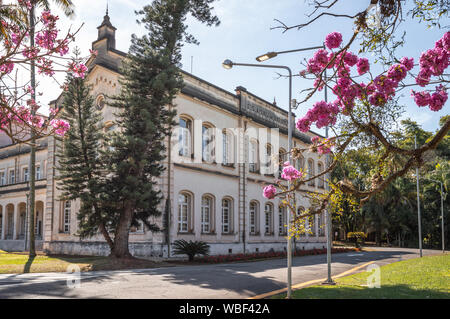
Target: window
[227,148]
[100,102]
[184,212]
[207,209]
[139,228]
[268,217]
[268,159]
[2,178]
[66,217]
[312,225]
[282,157]
[311,172]
[208,149]
[25,174]
[184,139]
[226,216]
[12,176]
[320,223]
[253,218]
[300,211]
[38,172]
[300,163]
[321,183]
[282,221]
[253,156]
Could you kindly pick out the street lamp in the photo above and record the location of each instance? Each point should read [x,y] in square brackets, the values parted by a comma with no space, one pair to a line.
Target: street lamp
[442,211]
[329,280]
[228,64]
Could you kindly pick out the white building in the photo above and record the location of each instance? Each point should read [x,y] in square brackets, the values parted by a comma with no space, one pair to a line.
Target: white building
[219,164]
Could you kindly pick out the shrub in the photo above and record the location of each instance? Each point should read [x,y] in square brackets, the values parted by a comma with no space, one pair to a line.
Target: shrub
[191,248]
[357,237]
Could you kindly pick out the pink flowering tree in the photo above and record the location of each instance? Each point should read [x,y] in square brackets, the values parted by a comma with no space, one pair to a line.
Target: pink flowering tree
[364,106]
[19,112]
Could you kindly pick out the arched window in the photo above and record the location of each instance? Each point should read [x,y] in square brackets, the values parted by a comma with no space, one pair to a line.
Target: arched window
[184,212]
[282,157]
[254,220]
[66,217]
[300,163]
[185,137]
[311,172]
[268,219]
[268,160]
[300,211]
[312,225]
[321,183]
[282,220]
[100,102]
[227,215]
[253,156]
[321,224]
[208,149]
[227,148]
[25,175]
[207,214]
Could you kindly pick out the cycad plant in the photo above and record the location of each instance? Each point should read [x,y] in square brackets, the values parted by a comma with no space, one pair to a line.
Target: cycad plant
[191,248]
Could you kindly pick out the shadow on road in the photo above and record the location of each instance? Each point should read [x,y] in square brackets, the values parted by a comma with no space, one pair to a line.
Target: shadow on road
[245,279]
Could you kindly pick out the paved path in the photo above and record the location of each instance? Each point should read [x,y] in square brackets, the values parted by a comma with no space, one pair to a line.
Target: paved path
[229,281]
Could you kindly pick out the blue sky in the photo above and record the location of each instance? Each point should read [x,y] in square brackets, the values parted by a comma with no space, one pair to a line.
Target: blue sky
[245,32]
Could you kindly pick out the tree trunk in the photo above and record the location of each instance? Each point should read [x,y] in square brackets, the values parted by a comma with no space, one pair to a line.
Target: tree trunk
[106,236]
[120,249]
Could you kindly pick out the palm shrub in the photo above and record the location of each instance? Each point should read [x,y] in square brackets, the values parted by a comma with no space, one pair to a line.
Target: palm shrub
[191,248]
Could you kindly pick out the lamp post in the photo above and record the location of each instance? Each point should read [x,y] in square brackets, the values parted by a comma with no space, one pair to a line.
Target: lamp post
[270,55]
[228,64]
[442,211]
[418,204]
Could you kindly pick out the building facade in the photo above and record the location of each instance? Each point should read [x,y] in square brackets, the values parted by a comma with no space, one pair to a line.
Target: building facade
[226,148]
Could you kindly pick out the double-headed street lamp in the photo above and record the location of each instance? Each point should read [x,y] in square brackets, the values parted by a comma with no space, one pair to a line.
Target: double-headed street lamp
[228,64]
[270,55]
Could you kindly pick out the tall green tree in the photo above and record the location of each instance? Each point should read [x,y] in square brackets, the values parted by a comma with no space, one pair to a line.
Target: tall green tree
[151,80]
[80,166]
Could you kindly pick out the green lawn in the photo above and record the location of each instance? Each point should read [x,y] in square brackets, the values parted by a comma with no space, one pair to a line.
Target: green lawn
[16,263]
[427,277]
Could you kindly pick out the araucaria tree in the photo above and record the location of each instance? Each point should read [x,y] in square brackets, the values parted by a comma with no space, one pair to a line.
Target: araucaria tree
[80,165]
[151,80]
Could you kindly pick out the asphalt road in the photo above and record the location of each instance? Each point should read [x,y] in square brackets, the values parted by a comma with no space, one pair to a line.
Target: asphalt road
[228,281]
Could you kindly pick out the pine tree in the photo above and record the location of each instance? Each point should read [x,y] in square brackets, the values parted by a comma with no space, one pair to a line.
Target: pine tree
[80,163]
[151,80]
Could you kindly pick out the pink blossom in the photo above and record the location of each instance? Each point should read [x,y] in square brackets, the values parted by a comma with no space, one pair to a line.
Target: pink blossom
[269,192]
[78,70]
[408,63]
[30,53]
[377,99]
[421,98]
[60,126]
[303,125]
[290,173]
[6,68]
[438,99]
[333,40]
[362,66]
[350,59]
[423,78]
[397,72]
